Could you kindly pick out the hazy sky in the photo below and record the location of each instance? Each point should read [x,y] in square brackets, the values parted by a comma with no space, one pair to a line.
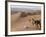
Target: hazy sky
[24,8]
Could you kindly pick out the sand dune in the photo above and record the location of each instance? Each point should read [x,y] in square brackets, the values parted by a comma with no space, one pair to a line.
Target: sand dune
[19,23]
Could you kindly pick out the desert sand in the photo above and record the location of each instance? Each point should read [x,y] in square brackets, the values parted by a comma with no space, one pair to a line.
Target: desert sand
[19,23]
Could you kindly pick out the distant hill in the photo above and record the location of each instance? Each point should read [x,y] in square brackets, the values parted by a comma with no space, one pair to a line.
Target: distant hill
[29,13]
